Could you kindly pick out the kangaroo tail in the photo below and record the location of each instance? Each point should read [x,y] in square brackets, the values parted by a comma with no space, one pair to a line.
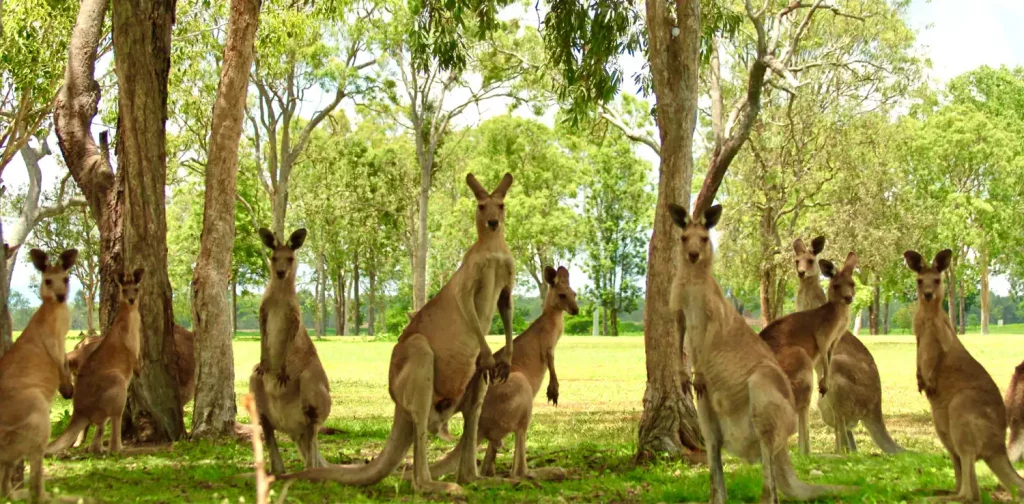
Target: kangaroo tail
[795,489]
[875,425]
[69,436]
[1008,476]
[403,433]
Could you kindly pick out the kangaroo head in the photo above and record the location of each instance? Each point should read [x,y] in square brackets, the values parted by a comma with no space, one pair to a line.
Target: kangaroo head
[807,260]
[282,257]
[929,278]
[841,287]
[696,232]
[130,285]
[56,281]
[490,206]
[9,251]
[560,295]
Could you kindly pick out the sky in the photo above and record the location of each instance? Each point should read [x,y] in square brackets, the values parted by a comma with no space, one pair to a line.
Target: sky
[956,36]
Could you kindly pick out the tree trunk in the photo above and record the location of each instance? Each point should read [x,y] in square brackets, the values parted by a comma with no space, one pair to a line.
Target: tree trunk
[371,306]
[885,315]
[963,302]
[142,61]
[858,321]
[984,292]
[6,331]
[874,309]
[615,322]
[90,318]
[952,298]
[419,267]
[340,294]
[355,296]
[214,414]
[669,421]
[234,305]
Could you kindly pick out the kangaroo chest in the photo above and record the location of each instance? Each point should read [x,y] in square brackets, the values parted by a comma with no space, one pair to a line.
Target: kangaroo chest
[495,272]
[280,316]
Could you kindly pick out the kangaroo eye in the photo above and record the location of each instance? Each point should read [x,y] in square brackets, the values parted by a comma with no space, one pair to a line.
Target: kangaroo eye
[291,260]
[561,296]
[501,206]
[480,207]
[920,282]
[67,280]
[704,239]
[49,282]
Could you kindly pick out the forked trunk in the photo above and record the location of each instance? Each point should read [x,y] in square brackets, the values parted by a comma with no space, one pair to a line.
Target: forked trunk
[142,61]
[669,421]
[214,414]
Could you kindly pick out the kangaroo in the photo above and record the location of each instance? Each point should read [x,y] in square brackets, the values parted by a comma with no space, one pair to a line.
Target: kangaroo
[439,354]
[969,415]
[743,400]
[291,388]
[804,340]
[83,349]
[508,407]
[1015,413]
[855,389]
[31,372]
[101,389]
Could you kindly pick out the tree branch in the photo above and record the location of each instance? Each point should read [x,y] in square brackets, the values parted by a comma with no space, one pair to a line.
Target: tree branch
[633,134]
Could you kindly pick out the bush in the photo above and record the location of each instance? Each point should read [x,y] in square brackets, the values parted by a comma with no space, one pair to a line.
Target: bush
[582,324]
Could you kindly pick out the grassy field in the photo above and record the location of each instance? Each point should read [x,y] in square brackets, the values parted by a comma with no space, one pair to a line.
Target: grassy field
[592,433]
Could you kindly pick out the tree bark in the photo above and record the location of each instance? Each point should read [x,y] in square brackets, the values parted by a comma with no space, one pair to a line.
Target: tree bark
[234,305]
[985,307]
[419,267]
[963,301]
[952,282]
[215,410]
[615,322]
[90,318]
[669,421]
[6,331]
[340,294]
[142,61]
[874,309]
[355,292]
[885,314]
[372,305]
[858,321]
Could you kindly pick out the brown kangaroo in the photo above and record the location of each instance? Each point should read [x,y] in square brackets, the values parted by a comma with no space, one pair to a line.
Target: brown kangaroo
[855,389]
[83,349]
[969,414]
[291,388]
[804,340]
[508,407]
[101,389]
[439,354]
[1015,413]
[31,372]
[744,403]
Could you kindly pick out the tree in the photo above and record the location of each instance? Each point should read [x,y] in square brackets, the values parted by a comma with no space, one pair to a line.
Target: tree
[32,39]
[299,50]
[215,395]
[617,205]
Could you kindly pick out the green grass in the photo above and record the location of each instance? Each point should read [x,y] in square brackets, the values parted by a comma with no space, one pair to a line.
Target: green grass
[592,433]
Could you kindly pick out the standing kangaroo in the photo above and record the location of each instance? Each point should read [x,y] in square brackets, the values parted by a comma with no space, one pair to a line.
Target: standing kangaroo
[439,354]
[969,414]
[289,383]
[854,389]
[743,400]
[31,372]
[508,407]
[101,388]
[1015,413]
[806,340]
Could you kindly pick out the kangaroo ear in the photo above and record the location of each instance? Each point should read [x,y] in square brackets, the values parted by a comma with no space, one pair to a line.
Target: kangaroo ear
[712,215]
[503,186]
[827,268]
[476,187]
[942,260]
[851,263]
[267,237]
[914,261]
[137,275]
[679,215]
[563,273]
[120,279]
[10,251]
[68,258]
[549,275]
[798,247]
[297,238]
[38,259]
[818,245]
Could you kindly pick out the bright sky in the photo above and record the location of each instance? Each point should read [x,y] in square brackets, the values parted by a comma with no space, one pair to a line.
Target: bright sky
[956,39]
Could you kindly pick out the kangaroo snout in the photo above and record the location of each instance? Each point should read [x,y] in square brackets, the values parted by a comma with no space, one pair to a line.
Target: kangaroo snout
[280,274]
[801,274]
[928,296]
[493,224]
[694,256]
[61,298]
[847,299]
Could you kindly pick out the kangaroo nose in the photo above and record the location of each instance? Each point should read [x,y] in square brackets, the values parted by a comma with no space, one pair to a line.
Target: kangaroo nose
[131,300]
[848,299]
[694,256]
[801,274]
[493,224]
[280,274]
[928,296]
[61,298]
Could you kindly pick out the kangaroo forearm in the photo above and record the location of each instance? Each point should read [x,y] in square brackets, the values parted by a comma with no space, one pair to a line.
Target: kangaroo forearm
[506,320]
[278,353]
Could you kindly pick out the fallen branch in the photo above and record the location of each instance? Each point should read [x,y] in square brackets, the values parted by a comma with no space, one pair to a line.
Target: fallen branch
[263,480]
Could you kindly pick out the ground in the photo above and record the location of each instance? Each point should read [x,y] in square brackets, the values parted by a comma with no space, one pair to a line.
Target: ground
[592,433]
